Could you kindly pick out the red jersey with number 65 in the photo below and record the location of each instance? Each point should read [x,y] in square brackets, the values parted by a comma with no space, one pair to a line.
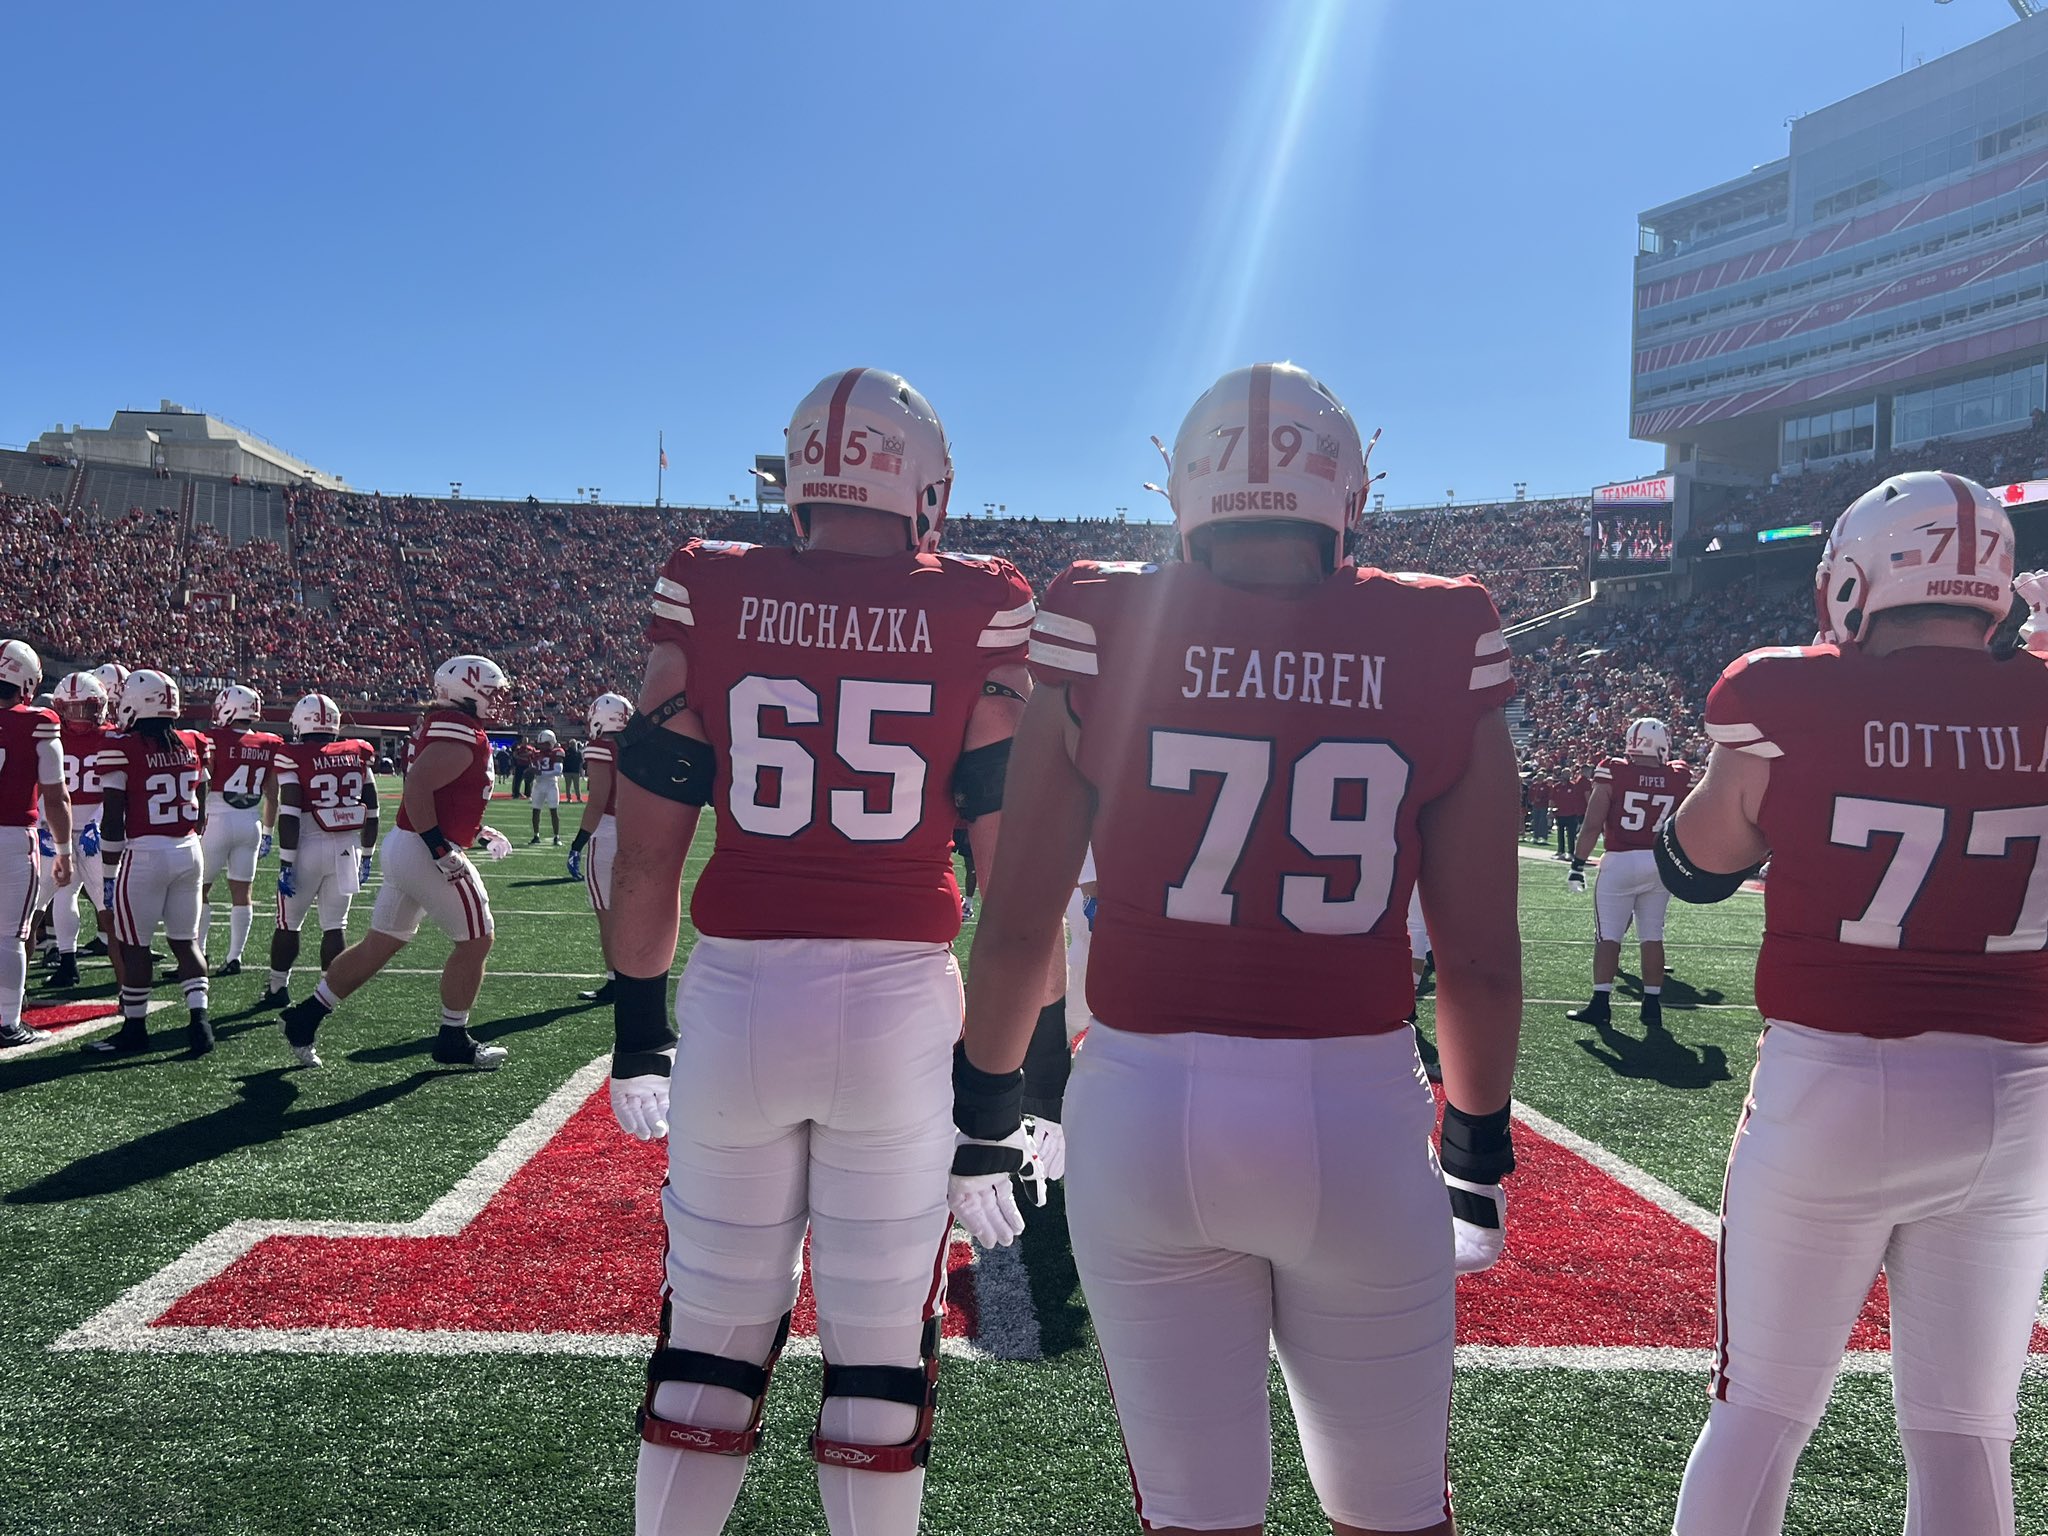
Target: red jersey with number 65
[28,738]
[329,776]
[242,763]
[836,689]
[459,805]
[1906,814]
[1261,762]
[1640,799]
[164,779]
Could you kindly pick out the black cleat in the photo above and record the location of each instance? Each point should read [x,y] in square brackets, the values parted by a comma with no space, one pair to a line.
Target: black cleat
[601,994]
[17,1033]
[280,998]
[97,947]
[126,1041]
[1653,1013]
[199,1035]
[1598,1011]
[65,973]
[229,968]
[453,1049]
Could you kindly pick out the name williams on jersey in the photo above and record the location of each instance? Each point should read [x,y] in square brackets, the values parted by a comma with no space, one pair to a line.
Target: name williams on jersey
[834,626]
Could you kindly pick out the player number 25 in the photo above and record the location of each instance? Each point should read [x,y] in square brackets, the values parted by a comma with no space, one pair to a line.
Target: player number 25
[1920,830]
[794,807]
[168,792]
[1245,766]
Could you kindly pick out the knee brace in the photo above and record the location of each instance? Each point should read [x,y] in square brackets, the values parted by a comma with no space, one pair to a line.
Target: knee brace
[916,1387]
[696,1367]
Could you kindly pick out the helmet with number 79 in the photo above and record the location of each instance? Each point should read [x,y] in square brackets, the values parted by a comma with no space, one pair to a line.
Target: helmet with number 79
[147,695]
[1267,444]
[864,438]
[81,699]
[316,715]
[1919,539]
[476,684]
[236,705]
[1648,737]
[20,667]
[609,714]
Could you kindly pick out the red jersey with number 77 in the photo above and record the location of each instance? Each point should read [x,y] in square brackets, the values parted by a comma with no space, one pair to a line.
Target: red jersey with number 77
[1640,799]
[836,690]
[1261,762]
[1906,814]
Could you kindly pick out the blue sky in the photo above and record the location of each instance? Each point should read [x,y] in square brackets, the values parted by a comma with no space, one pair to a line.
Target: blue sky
[507,244]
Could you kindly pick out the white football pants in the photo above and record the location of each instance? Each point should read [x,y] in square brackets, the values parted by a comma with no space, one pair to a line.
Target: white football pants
[157,886]
[1224,1191]
[1627,890]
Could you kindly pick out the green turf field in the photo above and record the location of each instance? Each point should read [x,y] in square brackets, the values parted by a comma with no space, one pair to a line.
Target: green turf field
[108,1172]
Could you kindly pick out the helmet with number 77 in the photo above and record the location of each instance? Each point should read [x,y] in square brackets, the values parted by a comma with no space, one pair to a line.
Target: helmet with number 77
[81,699]
[609,714]
[20,667]
[236,705]
[1267,444]
[864,438]
[1928,538]
[147,695]
[476,684]
[316,715]
[1648,737]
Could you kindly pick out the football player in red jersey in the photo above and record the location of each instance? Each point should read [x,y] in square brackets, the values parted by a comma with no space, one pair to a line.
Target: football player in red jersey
[153,777]
[1896,776]
[1633,795]
[31,781]
[596,844]
[426,873]
[243,800]
[81,704]
[1268,746]
[851,701]
[327,825]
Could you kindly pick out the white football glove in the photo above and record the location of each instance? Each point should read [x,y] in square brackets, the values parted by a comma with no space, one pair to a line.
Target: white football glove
[1479,1223]
[640,1104]
[982,1199]
[1049,1142]
[496,844]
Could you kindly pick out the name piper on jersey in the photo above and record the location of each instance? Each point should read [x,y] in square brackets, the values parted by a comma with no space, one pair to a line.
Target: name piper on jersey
[1903,744]
[1340,679]
[834,626]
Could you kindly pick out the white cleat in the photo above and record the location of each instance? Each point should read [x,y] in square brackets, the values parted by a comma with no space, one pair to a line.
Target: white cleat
[306,1056]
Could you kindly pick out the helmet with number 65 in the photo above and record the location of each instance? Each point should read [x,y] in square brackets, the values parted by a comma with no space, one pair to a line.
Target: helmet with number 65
[609,713]
[236,705]
[1928,538]
[1267,444]
[20,667]
[147,695]
[316,715]
[864,438]
[476,684]
[1648,737]
[81,699]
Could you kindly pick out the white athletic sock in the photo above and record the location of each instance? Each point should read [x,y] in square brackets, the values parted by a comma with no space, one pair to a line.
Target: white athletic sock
[1652,991]
[195,994]
[324,996]
[279,980]
[13,981]
[1603,986]
[135,1003]
[455,1018]
[205,926]
[239,919]
[64,922]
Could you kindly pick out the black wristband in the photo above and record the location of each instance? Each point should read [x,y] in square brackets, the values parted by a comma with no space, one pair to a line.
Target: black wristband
[1047,1063]
[436,841]
[640,1019]
[580,841]
[1578,866]
[640,1064]
[986,1105]
[1479,1149]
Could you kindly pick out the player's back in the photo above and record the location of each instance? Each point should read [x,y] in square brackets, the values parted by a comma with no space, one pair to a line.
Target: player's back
[1261,762]
[1641,796]
[82,741]
[24,732]
[242,763]
[162,777]
[1906,810]
[836,690]
[459,804]
[330,777]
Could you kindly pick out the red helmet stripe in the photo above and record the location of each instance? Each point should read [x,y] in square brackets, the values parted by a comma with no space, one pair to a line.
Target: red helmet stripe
[1966,525]
[1258,469]
[835,419]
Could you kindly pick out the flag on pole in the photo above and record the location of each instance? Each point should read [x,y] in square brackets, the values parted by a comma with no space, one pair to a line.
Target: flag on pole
[664,458]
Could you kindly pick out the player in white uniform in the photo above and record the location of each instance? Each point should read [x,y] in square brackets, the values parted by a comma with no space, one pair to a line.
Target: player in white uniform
[31,780]
[244,808]
[546,794]
[327,826]
[596,843]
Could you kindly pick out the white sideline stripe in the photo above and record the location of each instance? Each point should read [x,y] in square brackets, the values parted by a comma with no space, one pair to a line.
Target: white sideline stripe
[50,1039]
[1563,1002]
[1627,1174]
[1002,1287]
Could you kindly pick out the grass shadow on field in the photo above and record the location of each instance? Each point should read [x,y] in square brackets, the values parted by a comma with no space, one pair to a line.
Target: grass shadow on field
[1658,1057]
[1678,992]
[565,878]
[495,1029]
[262,1113]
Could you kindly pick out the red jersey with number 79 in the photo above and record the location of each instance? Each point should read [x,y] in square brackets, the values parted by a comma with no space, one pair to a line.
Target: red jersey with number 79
[836,691]
[1906,812]
[1640,799]
[1261,762]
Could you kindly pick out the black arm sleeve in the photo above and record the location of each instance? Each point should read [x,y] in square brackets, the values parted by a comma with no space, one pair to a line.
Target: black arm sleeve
[678,768]
[642,1031]
[1047,1062]
[978,780]
[1685,879]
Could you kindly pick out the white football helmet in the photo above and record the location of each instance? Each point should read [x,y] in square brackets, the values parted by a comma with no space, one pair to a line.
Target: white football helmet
[2033,587]
[1648,737]
[316,715]
[236,705]
[111,675]
[477,684]
[545,738]
[1266,444]
[81,699]
[609,713]
[20,666]
[865,438]
[1924,537]
[147,695]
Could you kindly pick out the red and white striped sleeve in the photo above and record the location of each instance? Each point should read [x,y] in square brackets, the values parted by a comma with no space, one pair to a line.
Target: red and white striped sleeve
[451,727]
[1064,640]
[1739,709]
[1009,628]
[111,763]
